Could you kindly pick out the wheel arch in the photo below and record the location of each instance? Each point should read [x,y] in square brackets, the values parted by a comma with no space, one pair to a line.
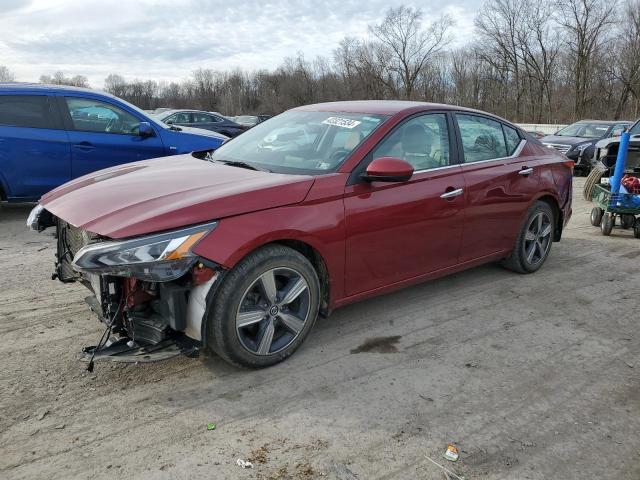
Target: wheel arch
[306,249]
[557,211]
[319,264]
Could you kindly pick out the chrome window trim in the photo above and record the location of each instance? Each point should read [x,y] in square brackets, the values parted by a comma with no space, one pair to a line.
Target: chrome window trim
[515,153]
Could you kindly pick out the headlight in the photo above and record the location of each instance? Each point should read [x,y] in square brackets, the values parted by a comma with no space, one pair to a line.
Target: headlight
[582,147]
[155,258]
[34,217]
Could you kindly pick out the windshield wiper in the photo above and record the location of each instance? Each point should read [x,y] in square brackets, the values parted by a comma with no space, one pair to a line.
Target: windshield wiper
[248,166]
[175,129]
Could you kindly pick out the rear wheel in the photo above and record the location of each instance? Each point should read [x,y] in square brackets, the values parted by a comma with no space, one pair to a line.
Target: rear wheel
[596,216]
[265,308]
[636,230]
[534,240]
[606,225]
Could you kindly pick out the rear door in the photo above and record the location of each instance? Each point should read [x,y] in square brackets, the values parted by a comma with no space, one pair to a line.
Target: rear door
[399,231]
[206,121]
[501,180]
[103,134]
[34,147]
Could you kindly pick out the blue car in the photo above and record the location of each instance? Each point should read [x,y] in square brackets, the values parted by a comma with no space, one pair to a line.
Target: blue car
[52,134]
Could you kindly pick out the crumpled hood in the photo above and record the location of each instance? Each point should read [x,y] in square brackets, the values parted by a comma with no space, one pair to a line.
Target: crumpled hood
[166,193]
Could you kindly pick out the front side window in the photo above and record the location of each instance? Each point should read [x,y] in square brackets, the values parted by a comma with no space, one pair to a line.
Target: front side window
[422,141]
[301,141]
[31,111]
[88,115]
[482,138]
[182,117]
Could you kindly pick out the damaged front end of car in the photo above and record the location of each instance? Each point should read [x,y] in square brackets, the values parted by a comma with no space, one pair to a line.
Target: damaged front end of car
[150,292]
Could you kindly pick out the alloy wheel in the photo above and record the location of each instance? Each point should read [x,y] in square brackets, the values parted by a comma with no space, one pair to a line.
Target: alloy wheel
[273,311]
[537,239]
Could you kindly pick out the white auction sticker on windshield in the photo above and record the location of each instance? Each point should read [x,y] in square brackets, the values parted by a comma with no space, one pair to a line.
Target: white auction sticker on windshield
[342,122]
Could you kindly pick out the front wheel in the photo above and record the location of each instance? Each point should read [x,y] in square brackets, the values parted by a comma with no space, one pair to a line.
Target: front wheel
[265,307]
[534,240]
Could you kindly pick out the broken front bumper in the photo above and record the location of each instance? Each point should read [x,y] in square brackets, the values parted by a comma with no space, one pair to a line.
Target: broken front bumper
[152,318]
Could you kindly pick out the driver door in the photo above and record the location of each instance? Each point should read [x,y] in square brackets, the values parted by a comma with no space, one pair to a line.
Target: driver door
[102,135]
[400,231]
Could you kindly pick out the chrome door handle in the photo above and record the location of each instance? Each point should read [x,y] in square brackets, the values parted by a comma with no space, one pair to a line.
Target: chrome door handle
[453,193]
[526,171]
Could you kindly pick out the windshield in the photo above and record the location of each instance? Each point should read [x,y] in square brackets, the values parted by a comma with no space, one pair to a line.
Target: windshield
[584,129]
[635,129]
[300,142]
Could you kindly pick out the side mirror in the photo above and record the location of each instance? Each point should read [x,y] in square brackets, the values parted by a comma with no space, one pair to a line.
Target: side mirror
[145,130]
[388,169]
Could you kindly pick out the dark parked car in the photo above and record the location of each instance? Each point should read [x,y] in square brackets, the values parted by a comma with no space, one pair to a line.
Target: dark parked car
[200,119]
[241,253]
[577,141]
[250,120]
[52,134]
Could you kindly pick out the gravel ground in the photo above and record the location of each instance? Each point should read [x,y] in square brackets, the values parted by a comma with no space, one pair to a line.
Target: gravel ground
[532,376]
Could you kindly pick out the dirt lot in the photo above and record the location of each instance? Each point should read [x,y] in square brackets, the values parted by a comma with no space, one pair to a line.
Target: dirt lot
[531,376]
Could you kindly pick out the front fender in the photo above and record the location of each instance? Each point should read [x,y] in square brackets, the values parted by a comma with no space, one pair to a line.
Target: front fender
[320,226]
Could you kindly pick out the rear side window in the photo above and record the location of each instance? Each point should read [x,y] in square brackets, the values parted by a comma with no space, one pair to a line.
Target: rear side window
[482,138]
[512,137]
[204,118]
[32,111]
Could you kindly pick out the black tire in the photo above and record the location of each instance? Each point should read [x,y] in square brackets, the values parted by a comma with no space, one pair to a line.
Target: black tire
[636,230]
[596,216]
[592,180]
[627,221]
[223,334]
[520,259]
[606,226]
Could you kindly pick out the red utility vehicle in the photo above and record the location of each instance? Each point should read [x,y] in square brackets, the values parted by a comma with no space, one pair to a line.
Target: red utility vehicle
[239,251]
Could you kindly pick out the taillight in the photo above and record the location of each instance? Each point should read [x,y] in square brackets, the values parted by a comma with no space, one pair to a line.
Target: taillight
[570,164]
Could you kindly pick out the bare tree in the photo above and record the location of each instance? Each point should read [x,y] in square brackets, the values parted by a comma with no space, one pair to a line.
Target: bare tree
[409,45]
[6,75]
[588,25]
[531,61]
[58,78]
[626,68]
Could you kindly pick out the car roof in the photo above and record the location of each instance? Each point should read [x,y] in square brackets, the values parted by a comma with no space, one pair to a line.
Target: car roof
[386,107]
[604,122]
[38,87]
[185,110]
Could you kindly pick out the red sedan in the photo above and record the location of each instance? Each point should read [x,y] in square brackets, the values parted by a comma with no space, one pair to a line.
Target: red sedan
[239,250]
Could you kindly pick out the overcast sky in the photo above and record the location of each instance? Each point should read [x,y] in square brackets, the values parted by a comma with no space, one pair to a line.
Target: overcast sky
[167,40]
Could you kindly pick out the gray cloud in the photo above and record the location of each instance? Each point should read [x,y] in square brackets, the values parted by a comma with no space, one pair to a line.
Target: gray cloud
[169,39]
